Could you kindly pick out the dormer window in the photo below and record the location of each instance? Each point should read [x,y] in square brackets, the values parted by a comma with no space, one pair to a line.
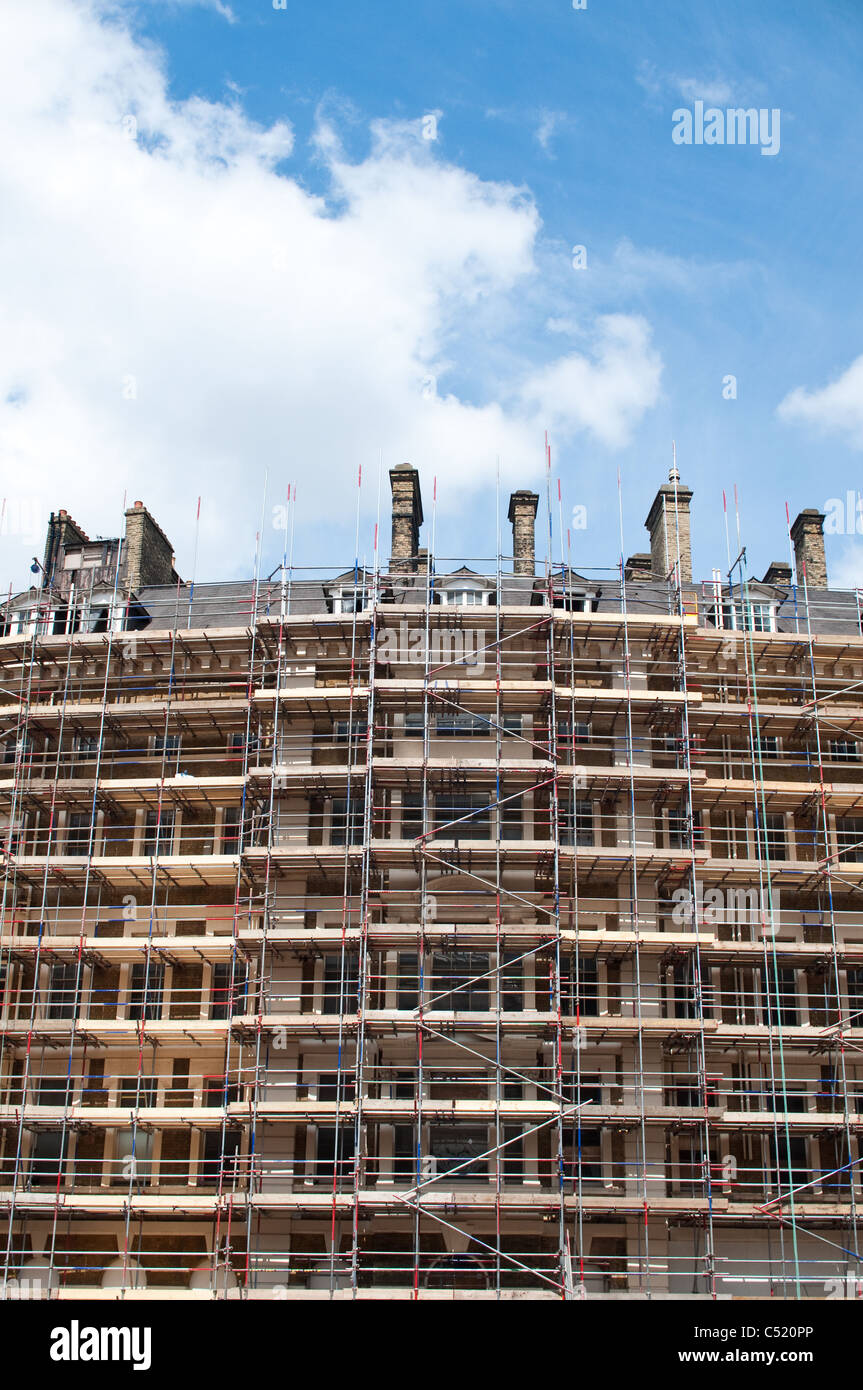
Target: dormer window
[349,600]
[748,615]
[465,593]
[575,601]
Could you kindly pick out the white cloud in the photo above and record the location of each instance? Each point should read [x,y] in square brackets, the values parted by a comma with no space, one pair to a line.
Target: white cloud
[184,312]
[607,394]
[220,6]
[836,408]
[549,122]
[712,91]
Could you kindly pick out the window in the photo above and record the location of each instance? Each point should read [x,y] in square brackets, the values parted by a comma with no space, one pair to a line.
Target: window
[455,983]
[236,746]
[146,982]
[158,832]
[454,1146]
[221,1162]
[579,987]
[855,997]
[462,817]
[460,724]
[335,1154]
[574,601]
[773,838]
[346,826]
[231,822]
[62,988]
[849,838]
[511,823]
[169,744]
[408,995]
[747,615]
[347,731]
[767,745]
[680,827]
[136,1090]
[47,1157]
[220,1006]
[337,1086]
[511,983]
[572,735]
[349,600]
[575,821]
[78,833]
[844,750]
[86,746]
[404,1153]
[341,983]
[51,1090]
[412,815]
[466,595]
[779,997]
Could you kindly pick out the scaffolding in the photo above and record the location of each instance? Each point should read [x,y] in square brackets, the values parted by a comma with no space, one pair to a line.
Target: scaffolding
[434,927]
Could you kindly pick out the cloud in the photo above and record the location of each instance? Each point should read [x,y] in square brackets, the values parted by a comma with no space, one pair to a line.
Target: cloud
[220,6]
[605,394]
[549,122]
[185,313]
[713,91]
[835,409]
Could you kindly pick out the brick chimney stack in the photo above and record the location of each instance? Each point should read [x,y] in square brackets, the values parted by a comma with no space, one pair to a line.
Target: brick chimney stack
[407,517]
[522,514]
[148,554]
[667,520]
[807,533]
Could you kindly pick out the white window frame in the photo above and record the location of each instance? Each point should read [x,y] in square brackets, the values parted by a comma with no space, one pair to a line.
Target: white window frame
[454,594]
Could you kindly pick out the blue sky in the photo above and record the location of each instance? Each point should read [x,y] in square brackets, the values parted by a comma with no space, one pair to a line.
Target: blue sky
[553,130]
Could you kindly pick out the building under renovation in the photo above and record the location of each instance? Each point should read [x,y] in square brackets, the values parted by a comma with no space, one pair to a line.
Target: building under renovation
[420,931]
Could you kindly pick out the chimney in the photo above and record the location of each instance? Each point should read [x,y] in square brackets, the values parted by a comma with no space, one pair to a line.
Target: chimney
[807,533]
[148,554]
[63,534]
[667,520]
[407,517]
[778,572]
[639,567]
[522,514]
